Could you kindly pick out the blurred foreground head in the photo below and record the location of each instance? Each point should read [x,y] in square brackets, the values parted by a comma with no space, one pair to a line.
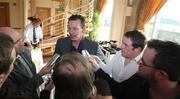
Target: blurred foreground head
[7,56]
[72,77]
[19,46]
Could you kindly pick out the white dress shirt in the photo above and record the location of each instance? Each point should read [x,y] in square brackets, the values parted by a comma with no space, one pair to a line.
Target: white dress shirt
[28,34]
[116,68]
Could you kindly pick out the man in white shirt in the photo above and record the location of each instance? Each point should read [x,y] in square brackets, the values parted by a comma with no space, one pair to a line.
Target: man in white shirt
[33,33]
[124,63]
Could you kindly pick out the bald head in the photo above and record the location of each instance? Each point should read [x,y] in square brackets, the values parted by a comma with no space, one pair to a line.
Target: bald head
[11,32]
[15,36]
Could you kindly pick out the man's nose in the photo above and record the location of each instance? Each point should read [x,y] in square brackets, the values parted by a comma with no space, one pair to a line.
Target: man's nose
[71,31]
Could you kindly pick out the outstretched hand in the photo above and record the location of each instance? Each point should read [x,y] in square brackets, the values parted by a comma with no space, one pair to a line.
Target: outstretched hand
[49,85]
[45,70]
[93,60]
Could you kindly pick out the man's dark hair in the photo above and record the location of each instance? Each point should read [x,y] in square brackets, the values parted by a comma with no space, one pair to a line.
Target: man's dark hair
[137,38]
[167,57]
[6,47]
[102,87]
[74,83]
[78,17]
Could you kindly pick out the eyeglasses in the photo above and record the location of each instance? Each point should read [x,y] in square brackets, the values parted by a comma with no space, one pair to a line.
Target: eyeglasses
[18,41]
[141,63]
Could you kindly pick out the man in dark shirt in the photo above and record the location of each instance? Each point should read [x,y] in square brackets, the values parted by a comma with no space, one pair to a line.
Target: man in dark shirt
[76,41]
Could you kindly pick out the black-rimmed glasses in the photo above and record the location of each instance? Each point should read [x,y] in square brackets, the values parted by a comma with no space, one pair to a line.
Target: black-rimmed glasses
[17,41]
[141,63]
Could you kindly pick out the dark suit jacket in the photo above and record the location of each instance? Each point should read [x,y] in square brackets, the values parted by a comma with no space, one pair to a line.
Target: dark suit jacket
[19,81]
[134,88]
[64,45]
[4,93]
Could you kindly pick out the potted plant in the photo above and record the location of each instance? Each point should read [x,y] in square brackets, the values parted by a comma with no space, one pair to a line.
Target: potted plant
[95,26]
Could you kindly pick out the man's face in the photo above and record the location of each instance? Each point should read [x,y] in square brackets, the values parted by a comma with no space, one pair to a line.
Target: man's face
[127,48]
[146,66]
[75,30]
[13,56]
[36,24]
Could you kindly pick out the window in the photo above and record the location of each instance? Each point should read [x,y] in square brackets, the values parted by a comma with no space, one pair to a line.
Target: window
[166,24]
[106,15]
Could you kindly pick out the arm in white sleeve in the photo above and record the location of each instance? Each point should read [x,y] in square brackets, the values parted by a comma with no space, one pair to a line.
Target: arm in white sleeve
[105,67]
[115,61]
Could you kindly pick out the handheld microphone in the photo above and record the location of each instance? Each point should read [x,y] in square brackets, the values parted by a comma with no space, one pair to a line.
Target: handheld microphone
[53,59]
[85,53]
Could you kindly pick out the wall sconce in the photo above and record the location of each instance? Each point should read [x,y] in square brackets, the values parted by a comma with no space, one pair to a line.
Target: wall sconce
[130,3]
[14,4]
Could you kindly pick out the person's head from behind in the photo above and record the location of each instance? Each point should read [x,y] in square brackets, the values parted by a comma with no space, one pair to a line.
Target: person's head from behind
[103,90]
[7,56]
[161,61]
[72,77]
[19,46]
[132,44]
[76,27]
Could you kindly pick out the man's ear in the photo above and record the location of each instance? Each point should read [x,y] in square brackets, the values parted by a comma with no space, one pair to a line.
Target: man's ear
[84,30]
[138,49]
[161,75]
[94,91]
[1,78]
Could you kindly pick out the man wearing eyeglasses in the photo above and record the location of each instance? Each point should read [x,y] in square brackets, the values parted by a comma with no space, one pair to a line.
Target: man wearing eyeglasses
[158,76]
[23,80]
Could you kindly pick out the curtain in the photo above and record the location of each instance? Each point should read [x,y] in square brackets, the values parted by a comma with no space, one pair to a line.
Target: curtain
[100,5]
[118,21]
[147,11]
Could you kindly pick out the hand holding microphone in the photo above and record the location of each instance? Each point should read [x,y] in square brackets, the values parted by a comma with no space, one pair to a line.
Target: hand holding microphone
[53,60]
[48,67]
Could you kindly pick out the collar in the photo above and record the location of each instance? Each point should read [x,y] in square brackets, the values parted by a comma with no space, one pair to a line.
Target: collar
[137,58]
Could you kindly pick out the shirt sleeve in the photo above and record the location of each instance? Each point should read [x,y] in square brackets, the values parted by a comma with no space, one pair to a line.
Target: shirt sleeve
[40,32]
[107,68]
